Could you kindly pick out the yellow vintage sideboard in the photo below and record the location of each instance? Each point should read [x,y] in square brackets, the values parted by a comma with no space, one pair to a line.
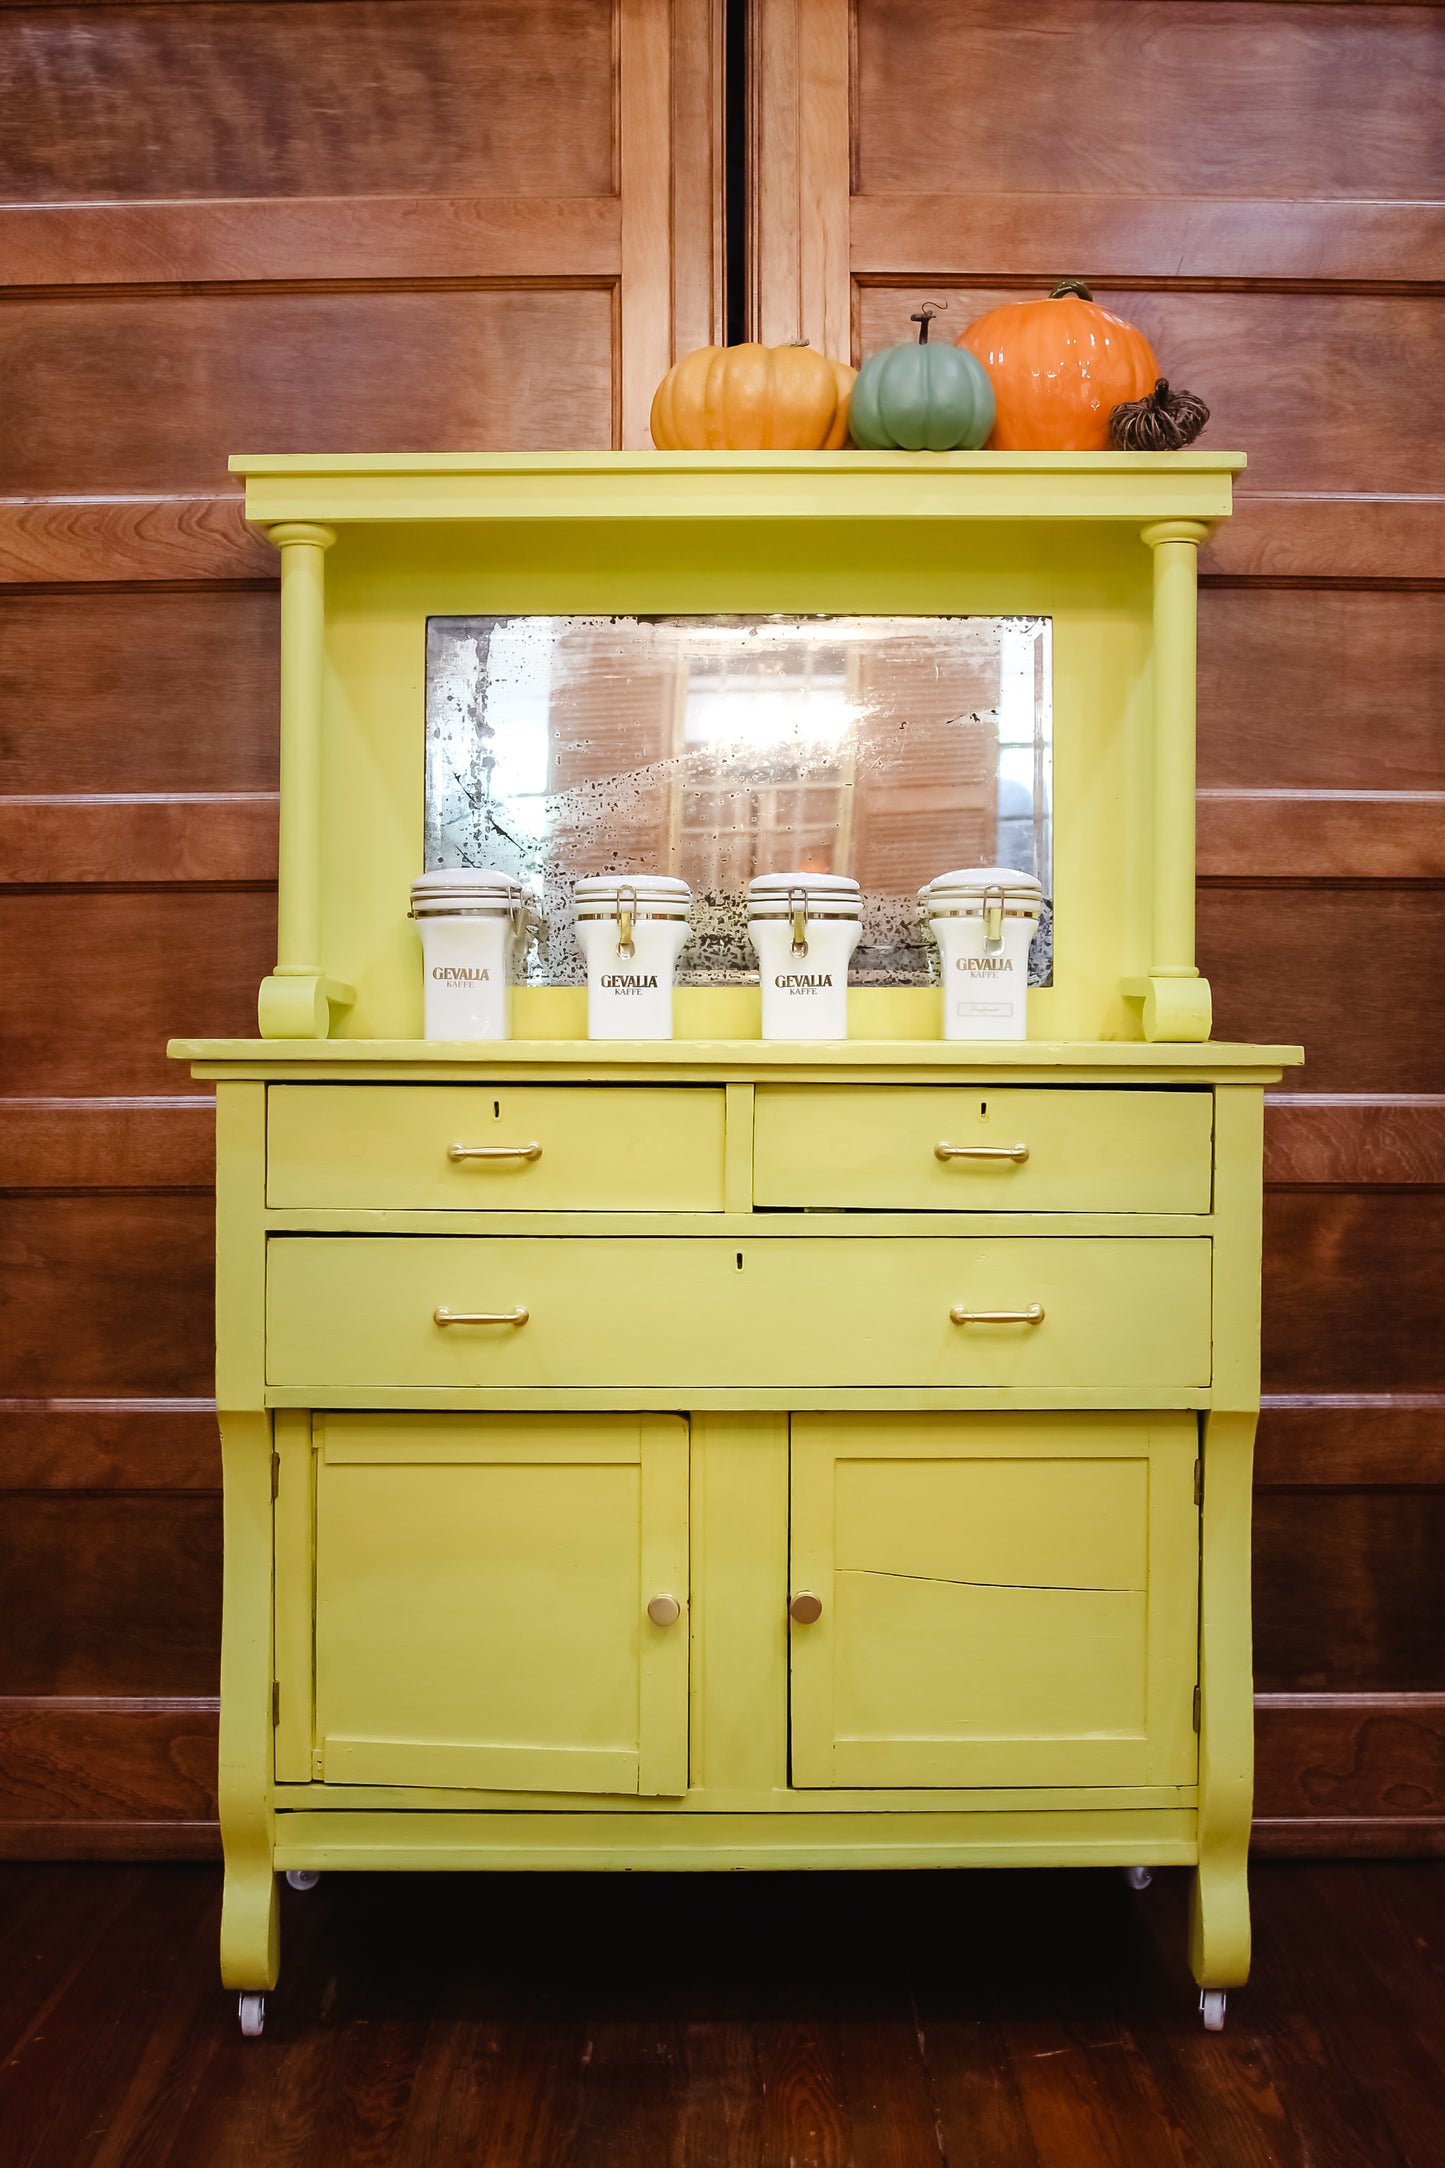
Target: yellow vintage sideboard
[721,1454]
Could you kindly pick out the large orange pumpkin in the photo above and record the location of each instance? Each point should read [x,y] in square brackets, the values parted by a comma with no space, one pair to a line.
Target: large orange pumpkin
[1059,368]
[753,398]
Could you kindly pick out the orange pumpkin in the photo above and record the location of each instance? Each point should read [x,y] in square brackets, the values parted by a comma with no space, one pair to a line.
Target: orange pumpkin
[1059,368]
[753,398]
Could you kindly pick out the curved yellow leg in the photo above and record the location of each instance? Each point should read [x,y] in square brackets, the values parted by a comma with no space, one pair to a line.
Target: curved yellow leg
[1219,1908]
[250,1914]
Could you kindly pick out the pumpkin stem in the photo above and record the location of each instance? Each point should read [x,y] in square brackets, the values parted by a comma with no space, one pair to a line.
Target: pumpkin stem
[924,317]
[1071,286]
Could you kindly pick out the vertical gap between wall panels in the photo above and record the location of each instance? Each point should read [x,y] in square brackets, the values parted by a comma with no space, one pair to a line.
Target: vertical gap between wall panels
[735,180]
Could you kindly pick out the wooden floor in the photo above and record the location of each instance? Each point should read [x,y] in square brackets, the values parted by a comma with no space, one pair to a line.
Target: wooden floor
[875,2021]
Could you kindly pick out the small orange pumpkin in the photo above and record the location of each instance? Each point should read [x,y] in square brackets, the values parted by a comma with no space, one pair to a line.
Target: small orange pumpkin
[753,398]
[1059,368]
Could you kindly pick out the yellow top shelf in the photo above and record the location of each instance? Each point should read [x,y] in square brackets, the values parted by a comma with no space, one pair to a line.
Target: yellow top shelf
[365,487]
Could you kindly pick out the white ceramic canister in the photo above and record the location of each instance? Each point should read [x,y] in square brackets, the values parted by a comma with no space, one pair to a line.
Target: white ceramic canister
[632,927]
[805,927]
[983,919]
[472,926]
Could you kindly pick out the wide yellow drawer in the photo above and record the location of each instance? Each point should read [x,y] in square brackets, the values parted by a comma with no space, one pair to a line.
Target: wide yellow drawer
[496,1147]
[951,1148]
[689,1313]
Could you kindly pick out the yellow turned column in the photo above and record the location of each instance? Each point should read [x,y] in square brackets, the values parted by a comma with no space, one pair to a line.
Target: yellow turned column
[295,1002]
[1176,998]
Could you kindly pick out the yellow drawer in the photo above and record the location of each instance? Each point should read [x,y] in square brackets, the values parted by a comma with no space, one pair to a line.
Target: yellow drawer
[527,1147]
[690,1313]
[951,1148]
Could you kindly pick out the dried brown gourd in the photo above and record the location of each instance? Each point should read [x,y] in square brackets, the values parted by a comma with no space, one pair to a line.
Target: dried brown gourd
[1164,422]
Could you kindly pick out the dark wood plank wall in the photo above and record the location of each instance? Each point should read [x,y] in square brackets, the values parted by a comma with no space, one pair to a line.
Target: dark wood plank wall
[254,225]
[365,223]
[1256,184]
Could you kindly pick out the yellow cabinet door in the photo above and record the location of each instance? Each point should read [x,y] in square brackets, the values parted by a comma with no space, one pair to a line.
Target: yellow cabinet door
[498,1147]
[1006,1599]
[675,1313]
[982,1148]
[482,1592]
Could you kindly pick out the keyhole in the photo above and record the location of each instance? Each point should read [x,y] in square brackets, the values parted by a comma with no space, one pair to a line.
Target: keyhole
[983,1110]
[740,1260]
[496,1110]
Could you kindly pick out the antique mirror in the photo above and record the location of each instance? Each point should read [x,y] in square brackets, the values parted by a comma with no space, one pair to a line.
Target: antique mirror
[891,749]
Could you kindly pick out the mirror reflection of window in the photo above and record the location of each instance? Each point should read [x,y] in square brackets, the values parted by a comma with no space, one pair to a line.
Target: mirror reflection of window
[890,749]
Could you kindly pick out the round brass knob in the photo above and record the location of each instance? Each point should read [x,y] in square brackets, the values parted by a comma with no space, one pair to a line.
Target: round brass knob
[664,1610]
[806,1608]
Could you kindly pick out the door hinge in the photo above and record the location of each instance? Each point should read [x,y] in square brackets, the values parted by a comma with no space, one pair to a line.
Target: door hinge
[275,1703]
[275,1477]
[1199,1482]
[1196,1708]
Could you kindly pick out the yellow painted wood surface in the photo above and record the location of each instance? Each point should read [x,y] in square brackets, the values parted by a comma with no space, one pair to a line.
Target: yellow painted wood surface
[620,1148]
[481,1602]
[1005,1601]
[357,1311]
[877,1148]
[723,1843]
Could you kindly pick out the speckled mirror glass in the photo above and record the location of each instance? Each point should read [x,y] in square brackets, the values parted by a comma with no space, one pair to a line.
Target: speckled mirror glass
[716,748]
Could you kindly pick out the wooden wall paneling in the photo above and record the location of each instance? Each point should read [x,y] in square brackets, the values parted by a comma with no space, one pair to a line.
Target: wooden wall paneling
[1131,99]
[145,688]
[129,392]
[129,1443]
[1258,188]
[1347,1772]
[1311,1440]
[82,1607]
[155,1142]
[108,1293]
[338,98]
[798,162]
[197,536]
[1349,1139]
[1347,1591]
[1354,1293]
[347,225]
[101,1776]
[128,967]
[1351,968]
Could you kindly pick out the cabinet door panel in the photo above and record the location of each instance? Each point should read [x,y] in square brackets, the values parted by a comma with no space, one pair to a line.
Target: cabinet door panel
[481,1602]
[1006,1600]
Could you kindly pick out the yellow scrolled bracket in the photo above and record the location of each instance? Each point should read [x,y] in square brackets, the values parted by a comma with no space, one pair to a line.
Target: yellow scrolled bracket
[1176,1001]
[296,1001]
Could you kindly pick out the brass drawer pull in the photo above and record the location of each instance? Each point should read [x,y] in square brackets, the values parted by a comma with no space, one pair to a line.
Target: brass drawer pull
[1033,1315]
[480,1317]
[493,1151]
[1018,1153]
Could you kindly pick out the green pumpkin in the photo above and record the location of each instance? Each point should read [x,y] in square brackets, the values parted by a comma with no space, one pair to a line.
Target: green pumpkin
[921,398]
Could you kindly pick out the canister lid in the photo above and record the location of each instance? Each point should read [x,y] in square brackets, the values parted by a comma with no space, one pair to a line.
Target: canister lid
[971,883]
[823,884]
[833,894]
[596,891]
[473,887]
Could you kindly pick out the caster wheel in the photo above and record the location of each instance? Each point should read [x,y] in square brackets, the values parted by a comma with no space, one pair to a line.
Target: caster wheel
[253,2015]
[303,1877]
[1138,1877]
[1211,2008]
